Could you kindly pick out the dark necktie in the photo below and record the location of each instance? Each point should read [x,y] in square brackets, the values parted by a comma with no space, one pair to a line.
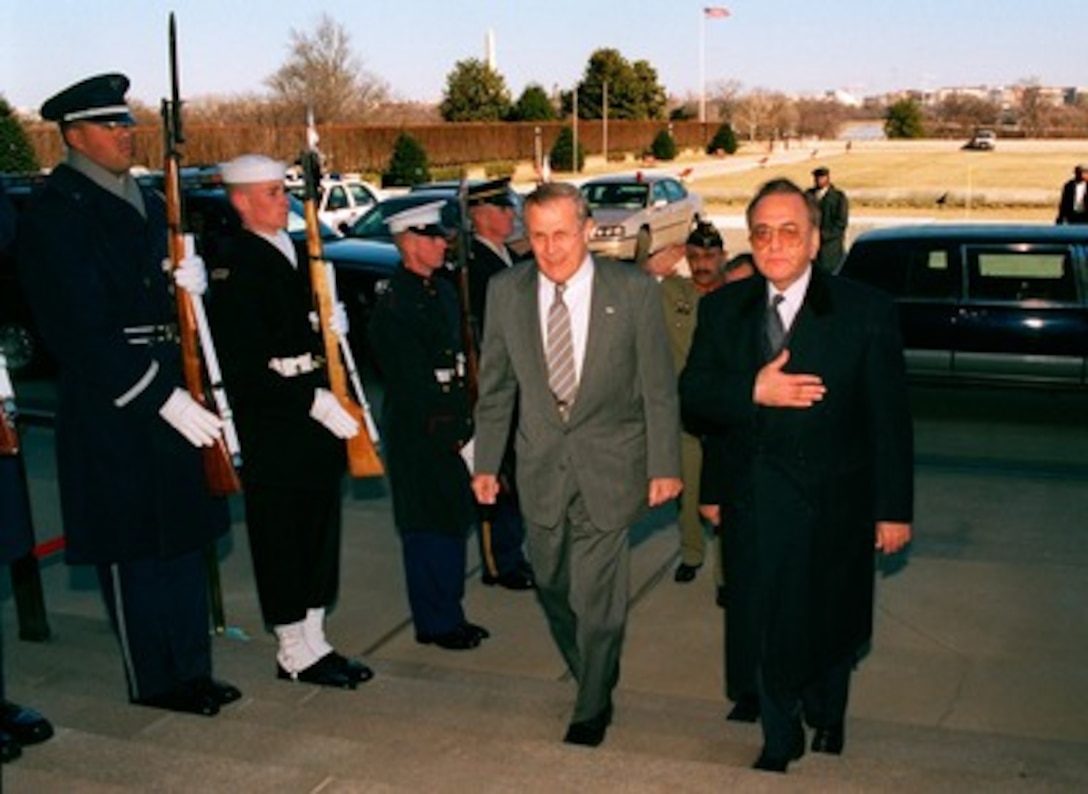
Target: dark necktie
[776,331]
[560,353]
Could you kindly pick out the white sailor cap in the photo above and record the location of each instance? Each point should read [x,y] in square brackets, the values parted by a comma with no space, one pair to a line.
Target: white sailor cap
[248,169]
[425,219]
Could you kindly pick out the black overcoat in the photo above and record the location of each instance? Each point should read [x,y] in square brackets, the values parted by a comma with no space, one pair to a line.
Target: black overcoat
[426,416]
[131,486]
[801,490]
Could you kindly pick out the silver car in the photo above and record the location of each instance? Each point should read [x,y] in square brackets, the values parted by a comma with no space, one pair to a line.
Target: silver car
[637,214]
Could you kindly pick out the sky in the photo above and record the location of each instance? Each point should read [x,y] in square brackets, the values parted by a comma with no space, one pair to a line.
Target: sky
[796,46]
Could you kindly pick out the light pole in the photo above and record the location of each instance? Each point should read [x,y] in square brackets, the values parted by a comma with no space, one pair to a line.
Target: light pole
[604,122]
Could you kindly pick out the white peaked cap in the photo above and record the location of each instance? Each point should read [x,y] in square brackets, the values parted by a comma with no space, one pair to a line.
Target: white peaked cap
[252,168]
[425,219]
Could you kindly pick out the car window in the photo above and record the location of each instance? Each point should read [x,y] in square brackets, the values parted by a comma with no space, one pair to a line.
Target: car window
[674,191]
[631,196]
[338,198]
[929,275]
[362,196]
[1004,275]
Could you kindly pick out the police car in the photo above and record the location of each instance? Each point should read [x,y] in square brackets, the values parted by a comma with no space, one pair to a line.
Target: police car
[343,199]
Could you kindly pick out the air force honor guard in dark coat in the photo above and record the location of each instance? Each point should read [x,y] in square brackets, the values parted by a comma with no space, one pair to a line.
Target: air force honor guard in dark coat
[427,422]
[133,494]
[291,427]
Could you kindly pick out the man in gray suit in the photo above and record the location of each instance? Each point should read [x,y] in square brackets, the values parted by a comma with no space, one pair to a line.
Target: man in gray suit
[579,345]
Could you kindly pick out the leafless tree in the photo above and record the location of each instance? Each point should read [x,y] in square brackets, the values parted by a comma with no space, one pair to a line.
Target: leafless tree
[323,72]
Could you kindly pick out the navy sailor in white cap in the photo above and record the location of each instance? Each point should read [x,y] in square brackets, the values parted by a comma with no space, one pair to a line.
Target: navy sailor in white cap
[291,427]
[133,495]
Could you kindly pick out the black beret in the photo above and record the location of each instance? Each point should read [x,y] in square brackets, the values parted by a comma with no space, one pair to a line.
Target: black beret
[821,171]
[704,235]
[496,192]
[98,98]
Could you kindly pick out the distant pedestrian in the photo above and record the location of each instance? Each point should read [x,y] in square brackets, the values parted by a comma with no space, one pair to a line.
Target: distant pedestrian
[834,217]
[1073,207]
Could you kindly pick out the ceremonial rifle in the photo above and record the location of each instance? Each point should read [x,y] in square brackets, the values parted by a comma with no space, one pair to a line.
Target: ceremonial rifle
[9,434]
[222,458]
[363,459]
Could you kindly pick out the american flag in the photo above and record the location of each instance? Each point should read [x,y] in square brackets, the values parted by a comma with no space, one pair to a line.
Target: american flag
[716,12]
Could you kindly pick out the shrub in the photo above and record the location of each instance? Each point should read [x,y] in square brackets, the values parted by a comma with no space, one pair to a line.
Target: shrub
[408,164]
[724,140]
[664,146]
[562,154]
[16,153]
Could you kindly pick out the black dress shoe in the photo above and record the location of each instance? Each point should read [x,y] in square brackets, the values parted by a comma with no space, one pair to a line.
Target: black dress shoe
[352,667]
[24,725]
[460,639]
[511,580]
[685,573]
[590,733]
[773,763]
[746,709]
[186,699]
[9,748]
[219,691]
[478,631]
[829,740]
[324,672]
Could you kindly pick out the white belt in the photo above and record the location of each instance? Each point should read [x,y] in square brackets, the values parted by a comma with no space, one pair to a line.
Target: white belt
[293,367]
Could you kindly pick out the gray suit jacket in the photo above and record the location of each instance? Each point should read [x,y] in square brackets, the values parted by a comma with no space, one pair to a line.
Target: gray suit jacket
[624,426]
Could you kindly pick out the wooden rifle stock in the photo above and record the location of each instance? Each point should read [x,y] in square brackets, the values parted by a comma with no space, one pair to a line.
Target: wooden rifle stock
[469,335]
[9,434]
[222,478]
[363,458]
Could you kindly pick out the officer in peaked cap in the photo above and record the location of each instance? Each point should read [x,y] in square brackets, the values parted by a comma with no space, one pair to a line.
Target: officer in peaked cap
[100,99]
[415,334]
[834,218]
[493,213]
[133,494]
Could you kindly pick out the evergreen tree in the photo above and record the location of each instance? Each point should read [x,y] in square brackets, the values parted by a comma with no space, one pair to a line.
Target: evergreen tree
[16,153]
[475,92]
[562,154]
[904,120]
[533,105]
[724,140]
[663,147]
[408,165]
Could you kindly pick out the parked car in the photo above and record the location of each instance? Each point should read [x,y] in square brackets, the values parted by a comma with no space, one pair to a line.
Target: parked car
[20,342]
[984,302]
[342,200]
[982,140]
[638,214]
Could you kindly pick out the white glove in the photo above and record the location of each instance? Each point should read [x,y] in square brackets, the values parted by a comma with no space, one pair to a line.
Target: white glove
[200,426]
[338,323]
[327,410]
[191,275]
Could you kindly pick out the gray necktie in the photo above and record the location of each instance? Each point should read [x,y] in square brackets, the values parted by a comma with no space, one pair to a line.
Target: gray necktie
[560,353]
[776,331]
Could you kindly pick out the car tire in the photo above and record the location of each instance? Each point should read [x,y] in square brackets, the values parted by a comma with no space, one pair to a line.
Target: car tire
[643,244]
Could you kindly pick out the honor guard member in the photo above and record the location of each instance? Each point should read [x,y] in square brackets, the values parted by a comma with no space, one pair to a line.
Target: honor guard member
[19,725]
[291,427]
[492,212]
[427,423]
[132,487]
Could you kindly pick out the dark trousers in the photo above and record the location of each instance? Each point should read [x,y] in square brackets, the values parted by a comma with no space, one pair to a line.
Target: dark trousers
[821,701]
[434,571]
[159,611]
[294,539]
[502,536]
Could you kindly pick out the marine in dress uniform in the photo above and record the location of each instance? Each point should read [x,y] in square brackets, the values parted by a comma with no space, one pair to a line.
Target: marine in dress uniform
[291,428]
[19,725]
[427,422]
[133,494]
[502,538]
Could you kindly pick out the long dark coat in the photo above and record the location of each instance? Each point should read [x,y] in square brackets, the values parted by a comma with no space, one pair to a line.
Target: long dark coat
[416,341]
[131,486]
[801,490]
[260,310]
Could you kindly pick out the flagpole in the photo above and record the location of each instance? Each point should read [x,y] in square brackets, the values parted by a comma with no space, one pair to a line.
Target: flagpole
[702,65]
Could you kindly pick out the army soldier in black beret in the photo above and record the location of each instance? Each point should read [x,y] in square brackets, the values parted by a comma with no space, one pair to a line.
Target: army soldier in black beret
[427,423]
[133,494]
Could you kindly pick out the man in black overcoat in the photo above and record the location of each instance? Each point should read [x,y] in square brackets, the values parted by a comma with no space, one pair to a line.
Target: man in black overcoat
[834,218]
[427,424]
[802,374]
[291,428]
[1073,205]
[133,494]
